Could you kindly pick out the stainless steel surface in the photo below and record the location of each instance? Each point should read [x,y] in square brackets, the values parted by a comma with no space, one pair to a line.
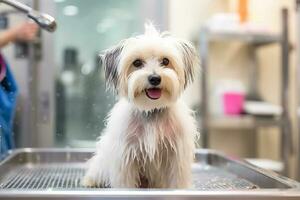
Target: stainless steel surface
[56,174]
[250,37]
[286,137]
[30,171]
[45,21]
[34,67]
[247,122]
[44,176]
[68,176]
[18,5]
[204,54]
[298,82]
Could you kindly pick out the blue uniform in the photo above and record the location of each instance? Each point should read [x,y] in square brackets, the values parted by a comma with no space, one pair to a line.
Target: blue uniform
[8,95]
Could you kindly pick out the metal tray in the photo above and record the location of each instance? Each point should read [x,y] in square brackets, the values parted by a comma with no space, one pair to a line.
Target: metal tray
[56,174]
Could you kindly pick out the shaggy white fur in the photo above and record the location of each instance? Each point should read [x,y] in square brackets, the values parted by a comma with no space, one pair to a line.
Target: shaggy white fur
[149,137]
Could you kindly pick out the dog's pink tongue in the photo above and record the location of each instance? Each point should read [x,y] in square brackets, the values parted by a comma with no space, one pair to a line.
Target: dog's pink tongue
[153,93]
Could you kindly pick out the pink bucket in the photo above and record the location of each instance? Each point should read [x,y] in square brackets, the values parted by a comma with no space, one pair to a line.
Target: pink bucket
[233,103]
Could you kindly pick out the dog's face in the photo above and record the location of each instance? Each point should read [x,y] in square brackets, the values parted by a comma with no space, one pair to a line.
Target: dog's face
[151,70]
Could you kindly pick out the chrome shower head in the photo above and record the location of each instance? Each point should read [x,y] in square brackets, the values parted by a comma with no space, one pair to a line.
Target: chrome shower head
[45,21]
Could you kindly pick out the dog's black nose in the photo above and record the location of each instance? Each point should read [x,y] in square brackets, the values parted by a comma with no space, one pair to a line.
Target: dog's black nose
[154,79]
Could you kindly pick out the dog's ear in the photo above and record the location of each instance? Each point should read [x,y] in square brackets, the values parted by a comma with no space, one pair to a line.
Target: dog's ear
[110,60]
[190,59]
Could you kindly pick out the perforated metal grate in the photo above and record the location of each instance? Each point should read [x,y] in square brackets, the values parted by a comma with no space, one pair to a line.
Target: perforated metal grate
[44,176]
[67,176]
[207,177]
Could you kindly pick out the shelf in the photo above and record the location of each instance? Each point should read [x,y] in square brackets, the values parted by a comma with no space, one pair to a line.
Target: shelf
[242,122]
[255,38]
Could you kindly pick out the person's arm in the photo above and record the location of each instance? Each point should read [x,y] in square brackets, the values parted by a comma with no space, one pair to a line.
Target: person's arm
[23,32]
[6,37]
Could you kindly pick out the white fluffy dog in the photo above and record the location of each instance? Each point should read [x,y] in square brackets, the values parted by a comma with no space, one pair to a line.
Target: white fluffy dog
[149,137]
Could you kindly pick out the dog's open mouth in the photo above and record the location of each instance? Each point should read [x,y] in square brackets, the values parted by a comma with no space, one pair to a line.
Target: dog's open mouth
[153,93]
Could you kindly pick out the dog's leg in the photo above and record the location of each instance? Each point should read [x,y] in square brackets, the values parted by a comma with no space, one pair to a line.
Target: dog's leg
[125,175]
[179,174]
[111,169]
[179,167]
[96,174]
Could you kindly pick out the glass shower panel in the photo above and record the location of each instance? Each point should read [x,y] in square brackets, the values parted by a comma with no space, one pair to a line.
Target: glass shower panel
[85,28]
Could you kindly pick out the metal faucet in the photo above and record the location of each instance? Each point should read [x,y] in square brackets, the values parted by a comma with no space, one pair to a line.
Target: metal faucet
[45,21]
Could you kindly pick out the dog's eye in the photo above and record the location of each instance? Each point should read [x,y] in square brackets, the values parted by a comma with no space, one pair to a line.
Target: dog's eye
[165,61]
[137,63]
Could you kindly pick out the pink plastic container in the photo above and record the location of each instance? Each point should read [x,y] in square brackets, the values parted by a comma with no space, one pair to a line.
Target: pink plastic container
[233,103]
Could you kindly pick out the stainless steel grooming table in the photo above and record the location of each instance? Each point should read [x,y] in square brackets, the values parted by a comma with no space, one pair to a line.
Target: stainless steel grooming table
[56,174]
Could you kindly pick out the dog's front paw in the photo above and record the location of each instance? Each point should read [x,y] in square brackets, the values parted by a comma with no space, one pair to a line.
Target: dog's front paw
[89,182]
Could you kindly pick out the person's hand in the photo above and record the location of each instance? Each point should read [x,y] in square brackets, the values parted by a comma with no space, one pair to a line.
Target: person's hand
[25,32]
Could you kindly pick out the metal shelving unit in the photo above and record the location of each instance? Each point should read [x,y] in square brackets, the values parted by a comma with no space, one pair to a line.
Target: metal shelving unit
[242,122]
[254,40]
[298,79]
